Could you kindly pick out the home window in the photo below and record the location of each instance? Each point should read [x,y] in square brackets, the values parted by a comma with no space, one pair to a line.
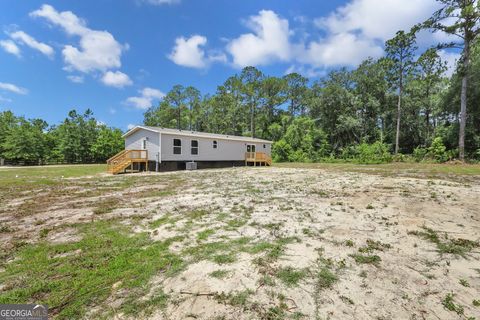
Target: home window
[144,144]
[194,147]
[177,146]
[215,144]
[264,146]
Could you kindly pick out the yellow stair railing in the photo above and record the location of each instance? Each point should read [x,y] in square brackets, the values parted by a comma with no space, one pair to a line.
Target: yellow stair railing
[260,158]
[126,158]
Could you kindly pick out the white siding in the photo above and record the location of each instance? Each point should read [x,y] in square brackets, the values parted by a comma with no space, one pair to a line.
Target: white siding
[134,142]
[227,150]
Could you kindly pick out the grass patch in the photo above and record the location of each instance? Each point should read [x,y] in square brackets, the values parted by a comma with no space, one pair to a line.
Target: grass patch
[225,258]
[290,276]
[203,235]
[236,299]
[221,252]
[46,175]
[70,277]
[366,259]
[219,274]
[449,304]
[106,205]
[373,245]
[325,278]
[444,245]
[167,218]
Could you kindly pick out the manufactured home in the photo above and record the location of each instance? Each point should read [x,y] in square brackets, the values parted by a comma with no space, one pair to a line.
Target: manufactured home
[162,149]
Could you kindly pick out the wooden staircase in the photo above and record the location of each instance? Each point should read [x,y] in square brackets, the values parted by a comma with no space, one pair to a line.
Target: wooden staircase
[260,158]
[127,159]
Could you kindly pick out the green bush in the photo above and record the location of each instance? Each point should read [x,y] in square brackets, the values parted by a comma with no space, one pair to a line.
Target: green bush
[419,153]
[437,151]
[365,153]
[281,151]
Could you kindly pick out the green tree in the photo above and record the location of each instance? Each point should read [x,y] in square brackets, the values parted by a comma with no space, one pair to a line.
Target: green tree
[251,79]
[400,53]
[76,134]
[26,141]
[297,93]
[109,142]
[429,84]
[7,121]
[459,18]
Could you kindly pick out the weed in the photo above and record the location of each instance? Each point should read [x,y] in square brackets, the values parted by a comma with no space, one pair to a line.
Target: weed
[44,232]
[370,206]
[225,258]
[325,278]
[374,245]
[453,246]
[5,229]
[349,243]
[234,299]
[290,276]
[476,302]
[450,305]
[464,283]
[347,300]
[203,235]
[366,259]
[106,205]
[219,274]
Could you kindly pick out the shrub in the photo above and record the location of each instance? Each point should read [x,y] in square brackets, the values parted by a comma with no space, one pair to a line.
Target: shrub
[368,153]
[419,153]
[437,151]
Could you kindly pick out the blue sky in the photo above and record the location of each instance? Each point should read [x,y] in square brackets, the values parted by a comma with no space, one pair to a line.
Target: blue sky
[118,57]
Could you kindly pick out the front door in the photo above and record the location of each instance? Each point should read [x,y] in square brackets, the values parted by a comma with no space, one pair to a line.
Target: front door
[250,148]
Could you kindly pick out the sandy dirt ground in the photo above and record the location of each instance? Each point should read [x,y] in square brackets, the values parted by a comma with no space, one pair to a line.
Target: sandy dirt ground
[298,243]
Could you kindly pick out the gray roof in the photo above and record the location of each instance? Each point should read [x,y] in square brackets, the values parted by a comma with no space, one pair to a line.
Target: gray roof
[195,134]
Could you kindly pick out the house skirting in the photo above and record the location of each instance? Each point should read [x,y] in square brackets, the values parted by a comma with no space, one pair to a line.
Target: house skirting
[181,165]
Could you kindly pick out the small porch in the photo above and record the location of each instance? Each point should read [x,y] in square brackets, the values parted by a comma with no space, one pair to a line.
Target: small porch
[257,158]
[128,160]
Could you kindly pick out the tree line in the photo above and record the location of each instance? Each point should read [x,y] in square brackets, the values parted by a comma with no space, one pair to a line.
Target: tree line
[401,104]
[80,138]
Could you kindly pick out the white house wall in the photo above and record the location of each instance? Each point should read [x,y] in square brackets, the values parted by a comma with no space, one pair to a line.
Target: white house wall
[227,150]
[134,142]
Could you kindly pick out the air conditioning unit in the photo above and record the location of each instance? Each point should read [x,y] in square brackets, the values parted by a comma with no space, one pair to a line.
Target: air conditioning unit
[191,165]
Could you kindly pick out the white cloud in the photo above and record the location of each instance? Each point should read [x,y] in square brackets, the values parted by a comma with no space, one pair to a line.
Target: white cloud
[340,49]
[75,79]
[13,88]
[268,42]
[10,47]
[130,126]
[146,98]
[377,19]
[116,79]
[28,40]
[359,29]
[97,50]
[188,52]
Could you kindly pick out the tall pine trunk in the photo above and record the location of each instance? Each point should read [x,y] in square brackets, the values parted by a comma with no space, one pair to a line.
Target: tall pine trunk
[463,101]
[399,110]
[252,120]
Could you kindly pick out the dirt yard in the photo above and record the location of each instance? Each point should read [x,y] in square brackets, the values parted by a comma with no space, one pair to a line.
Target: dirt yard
[245,243]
